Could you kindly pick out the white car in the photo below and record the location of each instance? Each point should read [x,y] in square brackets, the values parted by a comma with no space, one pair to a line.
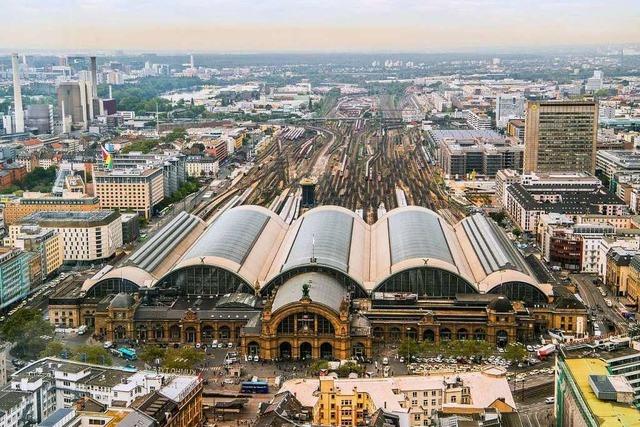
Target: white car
[550,400]
[385,360]
[529,348]
[608,302]
[107,344]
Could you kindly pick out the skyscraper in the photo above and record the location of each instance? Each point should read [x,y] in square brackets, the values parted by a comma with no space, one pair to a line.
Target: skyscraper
[508,106]
[17,95]
[560,136]
[74,99]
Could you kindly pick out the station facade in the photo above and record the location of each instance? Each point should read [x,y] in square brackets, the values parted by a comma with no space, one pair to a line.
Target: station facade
[326,286]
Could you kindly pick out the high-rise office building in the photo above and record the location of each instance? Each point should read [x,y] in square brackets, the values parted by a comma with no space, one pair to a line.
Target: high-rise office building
[74,100]
[560,136]
[17,95]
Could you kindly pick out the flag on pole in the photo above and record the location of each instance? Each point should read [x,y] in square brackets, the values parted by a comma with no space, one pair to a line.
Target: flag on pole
[106,158]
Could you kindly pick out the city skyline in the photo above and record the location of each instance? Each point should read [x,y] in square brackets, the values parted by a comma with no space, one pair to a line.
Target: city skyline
[313,26]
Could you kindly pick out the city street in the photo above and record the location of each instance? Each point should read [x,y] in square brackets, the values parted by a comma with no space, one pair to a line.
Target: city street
[594,300]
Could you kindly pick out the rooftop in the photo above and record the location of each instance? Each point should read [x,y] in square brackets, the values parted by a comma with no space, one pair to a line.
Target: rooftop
[608,413]
[71,219]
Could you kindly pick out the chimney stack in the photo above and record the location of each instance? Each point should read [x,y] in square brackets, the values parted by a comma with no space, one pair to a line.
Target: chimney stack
[17,95]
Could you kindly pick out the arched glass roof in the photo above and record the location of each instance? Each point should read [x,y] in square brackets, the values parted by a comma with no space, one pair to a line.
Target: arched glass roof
[231,236]
[417,234]
[324,237]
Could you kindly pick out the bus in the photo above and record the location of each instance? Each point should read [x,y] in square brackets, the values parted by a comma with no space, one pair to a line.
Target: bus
[128,353]
[254,387]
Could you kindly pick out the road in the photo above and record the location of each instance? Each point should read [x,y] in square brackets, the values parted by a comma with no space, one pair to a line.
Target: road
[538,414]
[595,301]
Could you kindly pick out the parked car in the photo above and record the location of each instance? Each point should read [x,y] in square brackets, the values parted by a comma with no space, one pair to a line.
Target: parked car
[107,344]
[550,400]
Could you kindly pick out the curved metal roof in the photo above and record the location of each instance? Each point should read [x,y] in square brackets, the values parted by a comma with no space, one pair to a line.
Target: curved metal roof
[134,274]
[417,234]
[324,237]
[231,236]
[323,290]
[242,240]
[254,243]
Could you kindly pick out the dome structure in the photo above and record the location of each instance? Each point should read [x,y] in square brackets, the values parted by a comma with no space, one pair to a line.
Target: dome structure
[501,305]
[122,300]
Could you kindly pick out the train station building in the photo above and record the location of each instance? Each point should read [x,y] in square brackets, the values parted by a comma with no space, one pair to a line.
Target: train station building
[328,285]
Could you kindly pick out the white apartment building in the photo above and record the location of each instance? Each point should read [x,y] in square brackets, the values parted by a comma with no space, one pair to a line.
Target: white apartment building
[198,166]
[478,121]
[38,390]
[86,236]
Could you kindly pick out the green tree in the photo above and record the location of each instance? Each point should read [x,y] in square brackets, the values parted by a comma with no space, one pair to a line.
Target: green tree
[95,354]
[516,232]
[408,348]
[150,353]
[182,358]
[54,348]
[515,352]
[29,331]
[317,366]
[350,367]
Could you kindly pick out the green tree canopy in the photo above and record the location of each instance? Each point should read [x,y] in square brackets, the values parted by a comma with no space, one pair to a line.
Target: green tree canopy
[182,358]
[95,354]
[150,353]
[29,331]
[515,352]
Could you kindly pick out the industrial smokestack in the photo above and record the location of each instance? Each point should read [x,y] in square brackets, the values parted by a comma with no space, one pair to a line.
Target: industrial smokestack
[17,95]
[94,78]
[110,92]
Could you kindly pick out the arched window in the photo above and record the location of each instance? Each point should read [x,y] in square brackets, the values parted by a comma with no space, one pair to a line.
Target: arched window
[427,282]
[428,335]
[445,334]
[111,286]
[521,291]
[207,332]
[324,326]
[287,325]
[174,332]
[158,331]
[479,334]
[462,334]
[201,280]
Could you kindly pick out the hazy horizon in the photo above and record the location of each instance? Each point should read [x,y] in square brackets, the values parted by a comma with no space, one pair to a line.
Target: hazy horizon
[309,26]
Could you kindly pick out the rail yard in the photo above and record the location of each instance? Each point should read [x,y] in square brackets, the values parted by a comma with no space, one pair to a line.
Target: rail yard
[368,165]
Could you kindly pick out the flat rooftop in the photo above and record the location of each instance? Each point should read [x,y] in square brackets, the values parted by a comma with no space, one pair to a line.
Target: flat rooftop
[608,413]
[71,218]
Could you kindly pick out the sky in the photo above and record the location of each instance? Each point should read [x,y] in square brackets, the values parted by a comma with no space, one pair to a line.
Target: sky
[226,26]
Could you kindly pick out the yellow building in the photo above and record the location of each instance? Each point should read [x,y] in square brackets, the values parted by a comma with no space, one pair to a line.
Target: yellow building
[633,281]
[131,189]
[413,399]
[47,243]
[617,272]
[30,203]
